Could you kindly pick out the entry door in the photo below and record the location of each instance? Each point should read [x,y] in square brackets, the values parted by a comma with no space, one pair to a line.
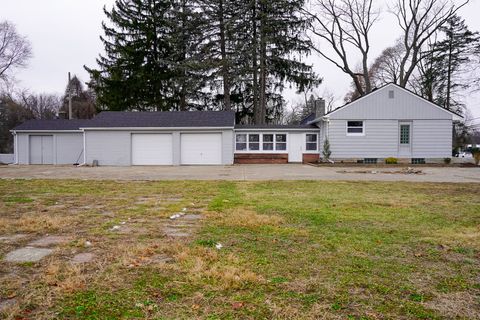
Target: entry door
[405,139]
[201,148]
[295,147]
[41,149]
[152,149]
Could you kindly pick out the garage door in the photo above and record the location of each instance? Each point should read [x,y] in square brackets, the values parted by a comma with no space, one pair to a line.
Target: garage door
[41,149]
[201,148]
[151,149]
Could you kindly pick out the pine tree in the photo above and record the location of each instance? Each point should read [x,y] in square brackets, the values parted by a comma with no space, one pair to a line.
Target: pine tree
[445,66]
[83,101]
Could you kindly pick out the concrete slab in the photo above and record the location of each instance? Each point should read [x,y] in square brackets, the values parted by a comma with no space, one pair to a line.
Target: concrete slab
[237,172]
[28,254]
[12,238]
[48,241]
[176,232]
[84,257]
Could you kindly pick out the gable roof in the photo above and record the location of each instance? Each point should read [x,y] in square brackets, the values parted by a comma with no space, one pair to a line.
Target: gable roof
[120,119]
[53,124]
[455,115]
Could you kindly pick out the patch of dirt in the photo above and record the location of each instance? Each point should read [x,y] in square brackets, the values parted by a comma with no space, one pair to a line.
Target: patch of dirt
[456,305]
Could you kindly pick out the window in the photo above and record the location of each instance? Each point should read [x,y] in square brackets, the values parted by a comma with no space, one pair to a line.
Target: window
[268,142]
[370,160]
[418,160]
[253,142]
[355,128]
[241,142]
[281,142]
[404,134]
[391,94]
[311,142]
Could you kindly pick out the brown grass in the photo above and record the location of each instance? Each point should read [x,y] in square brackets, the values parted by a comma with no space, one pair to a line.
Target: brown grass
[240,217]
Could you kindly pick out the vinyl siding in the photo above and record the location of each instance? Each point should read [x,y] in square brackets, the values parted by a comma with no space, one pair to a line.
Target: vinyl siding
[432,139]
[114,147]
[379,141]
[378,105]
[22,148]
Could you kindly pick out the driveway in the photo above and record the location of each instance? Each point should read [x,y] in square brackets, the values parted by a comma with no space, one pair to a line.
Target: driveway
[243,172]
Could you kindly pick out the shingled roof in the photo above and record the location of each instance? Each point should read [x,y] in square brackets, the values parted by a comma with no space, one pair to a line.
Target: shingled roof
[179,119]
[118,119]
[55,124]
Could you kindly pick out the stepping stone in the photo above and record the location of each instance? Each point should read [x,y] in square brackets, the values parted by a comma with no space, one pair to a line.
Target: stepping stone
[82,258]
[12,238]
[161,258]
[176,233]
[27,254]
[48,241]
[5,304]
[192,217]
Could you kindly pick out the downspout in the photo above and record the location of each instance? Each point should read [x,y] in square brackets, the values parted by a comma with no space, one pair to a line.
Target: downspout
[15,147]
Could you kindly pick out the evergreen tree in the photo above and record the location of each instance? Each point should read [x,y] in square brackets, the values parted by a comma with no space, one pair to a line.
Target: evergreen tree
[83,101]
[446,64]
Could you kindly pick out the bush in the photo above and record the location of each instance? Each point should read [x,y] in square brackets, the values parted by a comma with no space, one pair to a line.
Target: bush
[476,155]
[447,160]
[391,160]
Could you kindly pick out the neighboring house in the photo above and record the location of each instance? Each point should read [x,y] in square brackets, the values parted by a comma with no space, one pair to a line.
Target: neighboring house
[389,122]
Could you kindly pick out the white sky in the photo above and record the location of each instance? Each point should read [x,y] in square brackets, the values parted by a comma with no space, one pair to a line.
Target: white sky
[65,36]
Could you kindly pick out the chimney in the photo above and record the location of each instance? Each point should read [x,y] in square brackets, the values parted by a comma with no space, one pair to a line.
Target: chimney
[319,108]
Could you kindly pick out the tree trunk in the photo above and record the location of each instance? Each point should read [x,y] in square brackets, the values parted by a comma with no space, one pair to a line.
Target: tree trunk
[225,63]
[449,72]
[257,114]
[263,65]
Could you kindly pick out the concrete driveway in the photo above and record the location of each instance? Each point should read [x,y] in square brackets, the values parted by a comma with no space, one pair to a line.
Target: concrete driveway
[242,172]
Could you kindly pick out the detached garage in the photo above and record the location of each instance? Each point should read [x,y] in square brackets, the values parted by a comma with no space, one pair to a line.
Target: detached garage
[49,142]
[152,149]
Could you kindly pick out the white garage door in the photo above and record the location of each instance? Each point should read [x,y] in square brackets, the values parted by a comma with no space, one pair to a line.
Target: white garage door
[201,148]
[41,149]
[151,149]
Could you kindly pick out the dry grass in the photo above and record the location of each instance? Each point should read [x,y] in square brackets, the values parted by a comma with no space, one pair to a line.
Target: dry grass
[247,218]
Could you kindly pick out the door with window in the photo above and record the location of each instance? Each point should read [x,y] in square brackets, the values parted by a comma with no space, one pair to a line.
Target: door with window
[404,139]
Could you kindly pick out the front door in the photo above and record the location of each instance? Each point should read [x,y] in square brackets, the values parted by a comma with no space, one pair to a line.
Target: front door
[295,147]
[404,139]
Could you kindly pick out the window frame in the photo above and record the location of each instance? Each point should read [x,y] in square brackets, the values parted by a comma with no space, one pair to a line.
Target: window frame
[353,134]
[316,142]
[262,141]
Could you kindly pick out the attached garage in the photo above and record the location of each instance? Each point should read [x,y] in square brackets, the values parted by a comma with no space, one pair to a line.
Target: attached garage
[152,149]
[201,148]
[41,149]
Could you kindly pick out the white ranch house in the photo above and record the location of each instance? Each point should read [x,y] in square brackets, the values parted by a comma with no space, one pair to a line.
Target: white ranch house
[389,122]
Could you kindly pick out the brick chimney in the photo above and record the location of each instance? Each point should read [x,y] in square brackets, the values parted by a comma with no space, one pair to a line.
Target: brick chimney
[319,108]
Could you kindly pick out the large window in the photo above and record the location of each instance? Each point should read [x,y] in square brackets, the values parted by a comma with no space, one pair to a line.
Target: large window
[241,142]
[311,142]
[254,142]
[281,142]
[355,128]
[268,142]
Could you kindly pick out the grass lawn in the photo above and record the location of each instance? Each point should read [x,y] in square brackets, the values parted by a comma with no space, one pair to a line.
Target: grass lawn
[303,250]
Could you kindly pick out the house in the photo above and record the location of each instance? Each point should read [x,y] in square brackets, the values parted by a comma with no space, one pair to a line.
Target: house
[389,122]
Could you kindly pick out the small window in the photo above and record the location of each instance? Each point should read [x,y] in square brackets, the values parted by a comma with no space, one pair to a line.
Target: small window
[355,128]
[391,94]
[311,142]
[268,142]
[404,134]
[280,142]
[418,160]
[241,142]
[253,142]
[370,160]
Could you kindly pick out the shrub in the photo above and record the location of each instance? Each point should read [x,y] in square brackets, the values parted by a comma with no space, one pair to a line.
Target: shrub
[476,155]
[447,160]
[326,150]
[391,160]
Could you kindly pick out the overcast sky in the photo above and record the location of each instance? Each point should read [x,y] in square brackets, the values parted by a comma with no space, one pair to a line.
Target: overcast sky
[65,36]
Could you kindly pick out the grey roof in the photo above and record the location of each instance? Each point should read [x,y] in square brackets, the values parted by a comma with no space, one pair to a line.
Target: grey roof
[275,126]
[55,124]
[117,119]
[110,119]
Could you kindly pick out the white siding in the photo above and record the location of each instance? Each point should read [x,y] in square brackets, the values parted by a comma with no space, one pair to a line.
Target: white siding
[378,105]
[380,140]
[432,139]
[108,147]
[114,147]
[22,148]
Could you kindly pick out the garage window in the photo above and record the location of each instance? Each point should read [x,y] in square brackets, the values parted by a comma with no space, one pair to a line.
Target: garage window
[254,142]
[355,128]
[281,142]
[241,142]
[268,142]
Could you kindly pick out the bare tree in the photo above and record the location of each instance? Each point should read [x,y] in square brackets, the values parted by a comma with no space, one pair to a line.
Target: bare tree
[41,106]
[386,67]
[15,50]
[419,20]
[345,24]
